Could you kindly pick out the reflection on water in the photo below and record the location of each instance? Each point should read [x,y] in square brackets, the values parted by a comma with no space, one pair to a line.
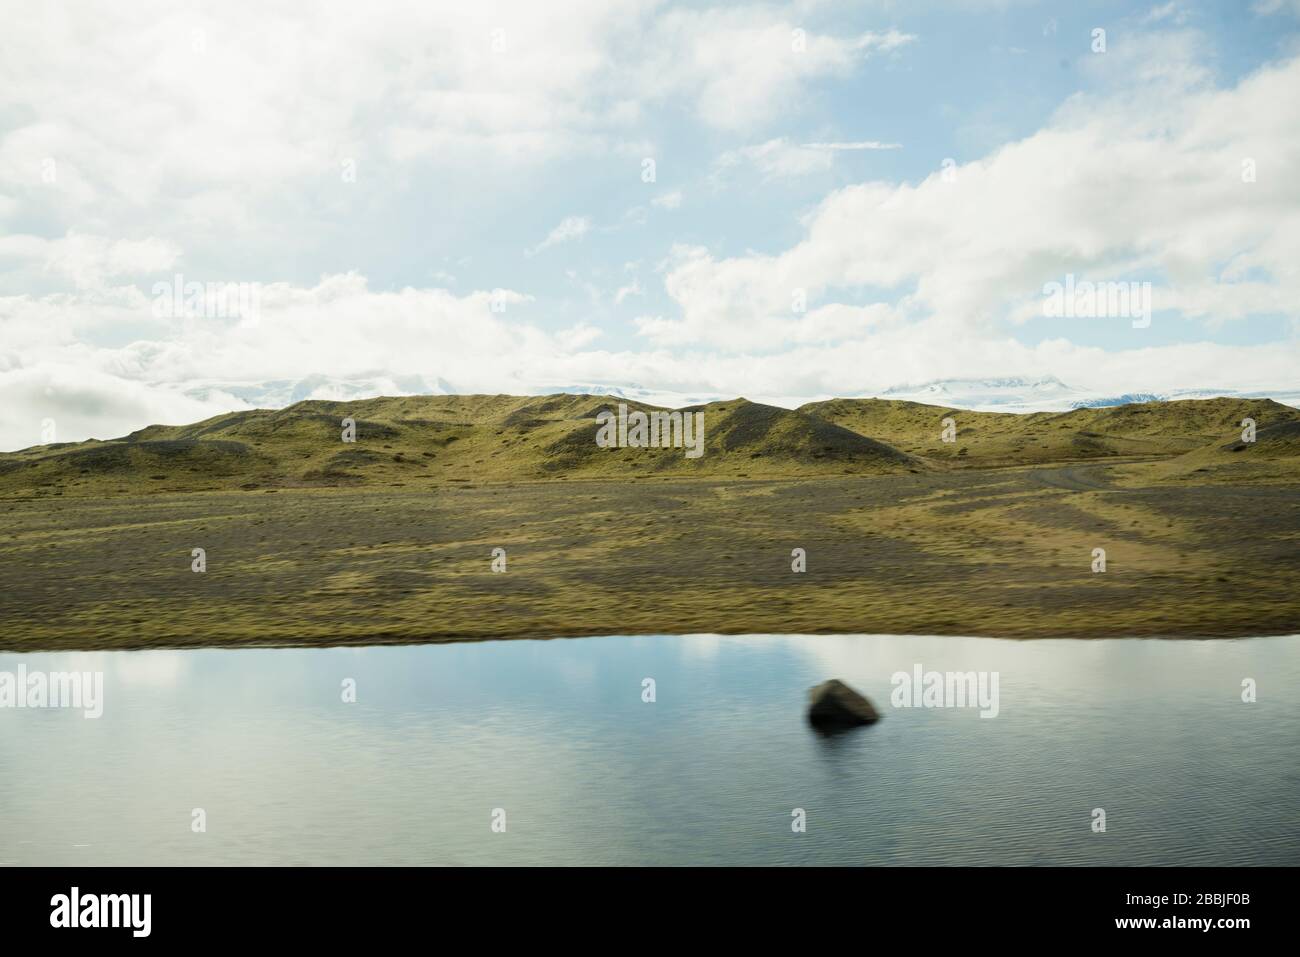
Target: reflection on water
[557,734]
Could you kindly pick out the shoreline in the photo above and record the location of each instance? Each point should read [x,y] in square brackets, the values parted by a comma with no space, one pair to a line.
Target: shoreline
[386,642]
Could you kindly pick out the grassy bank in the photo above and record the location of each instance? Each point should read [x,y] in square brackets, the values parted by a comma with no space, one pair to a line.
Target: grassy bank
[987,551]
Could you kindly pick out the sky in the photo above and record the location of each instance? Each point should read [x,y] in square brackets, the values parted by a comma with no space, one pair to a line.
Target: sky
[680,201]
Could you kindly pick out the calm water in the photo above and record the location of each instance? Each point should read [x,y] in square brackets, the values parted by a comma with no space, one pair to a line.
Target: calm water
[556,734]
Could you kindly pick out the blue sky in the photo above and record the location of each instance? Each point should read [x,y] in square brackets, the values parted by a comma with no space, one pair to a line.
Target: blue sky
[378,173]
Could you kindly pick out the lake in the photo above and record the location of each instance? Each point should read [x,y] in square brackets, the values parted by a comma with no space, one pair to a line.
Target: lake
[556,735]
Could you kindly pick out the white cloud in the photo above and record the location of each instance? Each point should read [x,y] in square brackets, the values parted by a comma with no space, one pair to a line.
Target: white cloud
[569,229]
[780,158]
[1137,185]
[246,116]
[84,403]
[745,65]
[775,159]
[670,200]
[86,261]
[1266,8]
[632,289]
[852,146]
[1163,12]
[885,42]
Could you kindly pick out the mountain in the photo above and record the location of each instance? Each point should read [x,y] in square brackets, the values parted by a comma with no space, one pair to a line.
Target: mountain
[1050,394]
[433,440]
[1152,429]
[999,394]
[1012,393]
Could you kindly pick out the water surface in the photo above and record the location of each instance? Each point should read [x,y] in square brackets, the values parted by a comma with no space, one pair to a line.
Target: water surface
[556,734]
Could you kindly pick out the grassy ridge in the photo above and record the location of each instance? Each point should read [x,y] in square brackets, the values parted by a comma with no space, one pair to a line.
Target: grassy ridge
[1149,429]
[429,441]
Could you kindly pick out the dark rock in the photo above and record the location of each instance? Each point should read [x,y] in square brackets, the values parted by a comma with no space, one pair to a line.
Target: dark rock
[833,704]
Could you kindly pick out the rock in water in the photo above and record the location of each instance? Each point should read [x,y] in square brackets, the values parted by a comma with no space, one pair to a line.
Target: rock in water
[833,704]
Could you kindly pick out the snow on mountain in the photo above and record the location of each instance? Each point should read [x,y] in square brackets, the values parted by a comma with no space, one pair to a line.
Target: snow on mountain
[1011,394]
[1005,394]
[1050,394]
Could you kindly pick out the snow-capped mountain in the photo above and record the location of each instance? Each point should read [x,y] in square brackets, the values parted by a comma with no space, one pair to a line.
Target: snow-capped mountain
[1050,394]
[1006,394]
[1009,394]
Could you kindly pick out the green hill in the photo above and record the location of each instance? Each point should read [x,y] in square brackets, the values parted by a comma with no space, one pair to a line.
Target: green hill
[434,440]
[1273,456]
[1147,429]
[421,441]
